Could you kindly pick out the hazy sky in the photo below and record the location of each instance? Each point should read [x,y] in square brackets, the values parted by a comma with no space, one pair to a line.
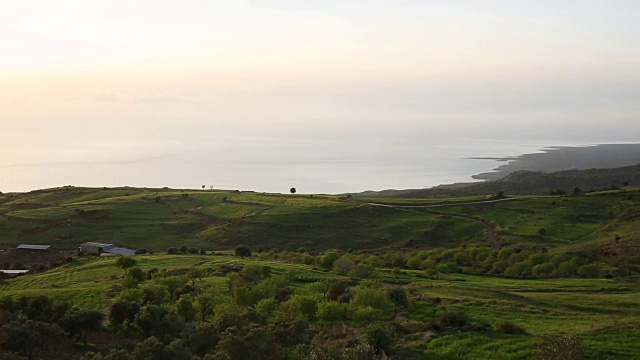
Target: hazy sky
[87,80]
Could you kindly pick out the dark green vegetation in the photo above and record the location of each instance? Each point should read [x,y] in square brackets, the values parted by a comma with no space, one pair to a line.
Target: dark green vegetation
[184,305]
[324,276]
[527,183]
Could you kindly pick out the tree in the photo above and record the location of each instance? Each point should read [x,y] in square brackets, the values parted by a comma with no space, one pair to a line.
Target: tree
[249,342]
[203,187]
[82,322]
[205,303]
[398,295]
[122,311]
[363,271]
[327,260]
[125,262]
[158,321]
[185,308]
[331,312]
[30,337]
[38,308]
[378,336]
[173,283]
[370,294]
[243,251]
[196,273]
[343,266]
[133,276]
[590,271]
[152,348]
[292,190]
[202,339]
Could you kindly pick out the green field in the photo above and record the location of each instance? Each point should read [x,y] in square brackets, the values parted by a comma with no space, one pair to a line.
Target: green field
[161,218]
[603,313]
[438,251]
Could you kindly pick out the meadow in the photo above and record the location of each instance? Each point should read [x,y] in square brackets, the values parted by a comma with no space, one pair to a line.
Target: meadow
[403,241]
[603,313]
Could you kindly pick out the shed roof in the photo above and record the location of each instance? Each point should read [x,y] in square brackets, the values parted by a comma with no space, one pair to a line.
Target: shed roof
[97,244]
[13,272]
[120,251]
[34,247]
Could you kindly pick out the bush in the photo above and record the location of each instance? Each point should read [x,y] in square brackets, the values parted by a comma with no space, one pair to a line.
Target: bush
[507,327]
[378,336]
[172,251]
[141,251]
[343,266]
[363,271]
[454,319]
[243,251]
[367,314]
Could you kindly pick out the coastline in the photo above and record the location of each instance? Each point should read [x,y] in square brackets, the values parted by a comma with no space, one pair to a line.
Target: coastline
[559,158]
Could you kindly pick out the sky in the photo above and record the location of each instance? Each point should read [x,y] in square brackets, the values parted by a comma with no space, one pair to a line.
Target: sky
[119,80]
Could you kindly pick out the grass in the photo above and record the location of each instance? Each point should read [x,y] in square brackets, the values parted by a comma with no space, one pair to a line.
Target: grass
[604,313]
[217,219]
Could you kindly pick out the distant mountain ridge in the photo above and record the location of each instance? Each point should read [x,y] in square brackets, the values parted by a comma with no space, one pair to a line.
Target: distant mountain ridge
[525,182]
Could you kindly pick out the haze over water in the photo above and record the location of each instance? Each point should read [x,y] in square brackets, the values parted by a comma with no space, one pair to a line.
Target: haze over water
[325,96]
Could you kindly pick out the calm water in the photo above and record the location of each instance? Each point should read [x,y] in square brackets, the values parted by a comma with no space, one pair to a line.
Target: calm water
[312,165]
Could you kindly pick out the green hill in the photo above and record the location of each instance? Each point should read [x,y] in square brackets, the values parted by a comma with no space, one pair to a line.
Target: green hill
[160,218]
[453,278]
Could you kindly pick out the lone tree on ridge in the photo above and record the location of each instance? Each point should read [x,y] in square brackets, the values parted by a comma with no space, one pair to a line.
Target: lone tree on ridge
[292,190]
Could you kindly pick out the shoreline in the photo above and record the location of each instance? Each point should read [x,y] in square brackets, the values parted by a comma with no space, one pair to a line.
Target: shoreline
[559,158]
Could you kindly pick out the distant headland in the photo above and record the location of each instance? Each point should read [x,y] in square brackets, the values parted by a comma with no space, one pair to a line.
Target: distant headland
[559,158]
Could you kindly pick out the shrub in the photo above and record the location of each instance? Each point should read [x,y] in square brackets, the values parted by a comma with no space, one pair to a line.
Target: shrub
[141,251]
[243,251]
[343,266]
[172,251]
[507,327]
[363,271]
[331,312]
[378,336]
[590,271]
[398,295]
[367,314]
[454,319]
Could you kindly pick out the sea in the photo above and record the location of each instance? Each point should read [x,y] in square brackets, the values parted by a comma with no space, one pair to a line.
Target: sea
[320,166]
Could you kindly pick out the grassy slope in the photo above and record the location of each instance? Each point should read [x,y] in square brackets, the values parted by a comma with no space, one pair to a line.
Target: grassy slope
[605,313]
[66,217]
[133,217]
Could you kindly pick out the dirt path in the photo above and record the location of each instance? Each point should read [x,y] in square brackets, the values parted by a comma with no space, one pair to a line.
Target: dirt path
[427,209]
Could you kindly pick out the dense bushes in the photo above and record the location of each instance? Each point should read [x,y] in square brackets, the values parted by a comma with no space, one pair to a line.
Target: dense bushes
[508,261]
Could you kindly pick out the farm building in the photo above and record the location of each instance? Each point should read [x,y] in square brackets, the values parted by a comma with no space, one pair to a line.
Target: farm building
[14,272]
[34,247]
[100,248]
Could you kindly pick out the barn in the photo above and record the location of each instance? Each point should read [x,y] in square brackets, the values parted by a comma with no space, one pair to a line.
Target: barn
[103,248]
[95,247]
